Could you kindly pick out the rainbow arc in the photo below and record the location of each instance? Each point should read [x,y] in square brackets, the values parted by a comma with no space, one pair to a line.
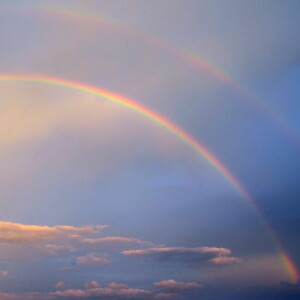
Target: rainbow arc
[174,129]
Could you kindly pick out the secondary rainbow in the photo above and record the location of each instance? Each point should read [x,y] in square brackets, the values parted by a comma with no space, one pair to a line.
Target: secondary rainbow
[175,130]
[195,59]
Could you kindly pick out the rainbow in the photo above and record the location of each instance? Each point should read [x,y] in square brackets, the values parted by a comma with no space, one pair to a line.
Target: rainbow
[222,76]
[195,59]
[176,131]
[191,57]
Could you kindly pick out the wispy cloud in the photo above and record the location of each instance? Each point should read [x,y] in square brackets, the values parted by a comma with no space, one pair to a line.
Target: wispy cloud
[25,296]
[224,260]
[173,285]
[21,233]
[17,233]
[112,239]
[93,259]
[292,285]
[95,290]
[188,255]
[91,290]
[162,296]
[22,240]
[60,285]
[3,274]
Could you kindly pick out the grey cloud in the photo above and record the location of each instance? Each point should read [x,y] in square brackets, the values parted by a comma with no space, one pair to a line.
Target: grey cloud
[190,256]
[290,284]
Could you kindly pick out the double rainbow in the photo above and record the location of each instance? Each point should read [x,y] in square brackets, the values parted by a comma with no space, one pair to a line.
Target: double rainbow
[175,130]
[195,59]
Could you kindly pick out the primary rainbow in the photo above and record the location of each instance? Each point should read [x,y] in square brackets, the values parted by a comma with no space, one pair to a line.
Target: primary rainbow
[149,114]
[175,130]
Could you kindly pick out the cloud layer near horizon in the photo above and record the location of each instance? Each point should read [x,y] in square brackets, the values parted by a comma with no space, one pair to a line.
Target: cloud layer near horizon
[112,291]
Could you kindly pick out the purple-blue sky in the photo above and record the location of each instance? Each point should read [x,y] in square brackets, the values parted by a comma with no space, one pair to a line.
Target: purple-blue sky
[99,202]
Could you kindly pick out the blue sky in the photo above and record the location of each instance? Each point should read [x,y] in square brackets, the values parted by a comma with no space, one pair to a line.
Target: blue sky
[99,202]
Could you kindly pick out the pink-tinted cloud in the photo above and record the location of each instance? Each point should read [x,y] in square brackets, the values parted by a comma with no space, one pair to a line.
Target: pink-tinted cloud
[111,239]
[25,296]
[25,234]
[94,289]
[54,249]
[83,229]
[68,269]
[22,240]
[92,285]
[71,293]
[4,273]
[22,233]
[162,296]
[177,251]
[93,259]
[60,285]
[113,290]
[224,260]
[176,285]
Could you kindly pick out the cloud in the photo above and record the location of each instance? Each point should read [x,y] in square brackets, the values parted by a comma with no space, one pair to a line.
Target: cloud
[95,290]
[25,296]
[177,251]
[290,284]
[167,296]
[21,233]
[223,260]
[255,270]
[92,285]
[71,293]
[112,239]
[21,241]
[16,233]
[189,255]
[92,259]
[173,285]
[68,269]
[60,285]
[4,273]
[84,229]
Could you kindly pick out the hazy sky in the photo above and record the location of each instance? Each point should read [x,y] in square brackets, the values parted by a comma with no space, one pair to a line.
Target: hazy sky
[99,201]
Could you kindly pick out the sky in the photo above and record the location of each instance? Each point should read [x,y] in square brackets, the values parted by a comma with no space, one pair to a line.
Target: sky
[149,149]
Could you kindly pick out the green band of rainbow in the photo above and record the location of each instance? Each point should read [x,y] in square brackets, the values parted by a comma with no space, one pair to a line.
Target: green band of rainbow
[175,130]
